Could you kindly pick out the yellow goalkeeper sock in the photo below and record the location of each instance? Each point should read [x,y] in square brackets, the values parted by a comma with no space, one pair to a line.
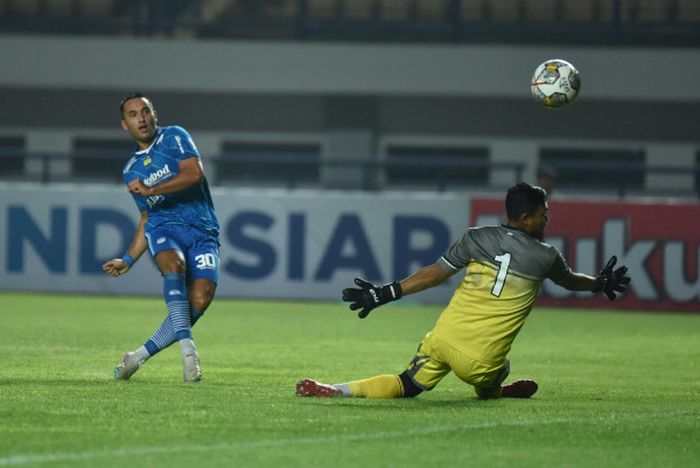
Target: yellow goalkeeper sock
[381,386]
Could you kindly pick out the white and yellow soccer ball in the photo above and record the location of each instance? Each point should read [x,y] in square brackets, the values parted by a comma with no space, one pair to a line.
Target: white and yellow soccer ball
[555,83]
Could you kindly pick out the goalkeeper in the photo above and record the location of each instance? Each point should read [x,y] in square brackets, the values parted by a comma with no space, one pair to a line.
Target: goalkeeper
[472,337]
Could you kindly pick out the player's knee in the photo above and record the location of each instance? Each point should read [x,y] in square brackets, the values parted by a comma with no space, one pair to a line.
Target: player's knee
[200,301]
[202,294]
[410,389]
[171,261]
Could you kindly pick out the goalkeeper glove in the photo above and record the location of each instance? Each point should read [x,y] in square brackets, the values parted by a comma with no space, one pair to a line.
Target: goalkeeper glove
[370,296]
[610,281]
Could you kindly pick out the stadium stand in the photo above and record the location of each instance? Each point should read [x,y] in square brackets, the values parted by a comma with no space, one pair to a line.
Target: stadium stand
[471,162]
[381,19]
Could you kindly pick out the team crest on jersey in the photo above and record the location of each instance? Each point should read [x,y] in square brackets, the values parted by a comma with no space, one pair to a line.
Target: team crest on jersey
[147,161]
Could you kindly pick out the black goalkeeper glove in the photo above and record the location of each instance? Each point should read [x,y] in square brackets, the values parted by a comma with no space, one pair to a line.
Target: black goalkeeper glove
[610,281]
[369,296]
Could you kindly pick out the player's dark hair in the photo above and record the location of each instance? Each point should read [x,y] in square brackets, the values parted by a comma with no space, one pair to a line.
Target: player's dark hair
[524,198]
[129,98]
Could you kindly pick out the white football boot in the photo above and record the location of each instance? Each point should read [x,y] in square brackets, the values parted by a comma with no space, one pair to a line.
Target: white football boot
[128,367]
[191,370]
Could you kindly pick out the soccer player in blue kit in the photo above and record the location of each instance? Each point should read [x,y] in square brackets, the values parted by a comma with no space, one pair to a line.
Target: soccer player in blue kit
[178,226]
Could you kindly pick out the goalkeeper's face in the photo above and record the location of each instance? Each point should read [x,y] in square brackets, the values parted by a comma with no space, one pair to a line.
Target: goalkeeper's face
[535,223]
[140,119]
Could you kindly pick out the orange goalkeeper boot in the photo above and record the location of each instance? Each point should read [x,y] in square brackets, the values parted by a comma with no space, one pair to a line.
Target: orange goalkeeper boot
[311,388]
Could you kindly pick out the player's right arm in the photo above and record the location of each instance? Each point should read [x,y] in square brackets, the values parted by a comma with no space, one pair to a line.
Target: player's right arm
[368,296]
[117,266]
[425,278]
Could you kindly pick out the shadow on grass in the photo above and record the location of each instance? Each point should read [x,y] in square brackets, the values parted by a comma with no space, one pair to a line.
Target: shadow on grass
[102,382]
[402,404]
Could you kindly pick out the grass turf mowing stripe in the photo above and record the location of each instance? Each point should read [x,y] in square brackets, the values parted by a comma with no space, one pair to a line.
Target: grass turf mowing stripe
[57,457]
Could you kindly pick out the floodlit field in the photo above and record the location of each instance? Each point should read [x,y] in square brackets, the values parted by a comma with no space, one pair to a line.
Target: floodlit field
[616,389]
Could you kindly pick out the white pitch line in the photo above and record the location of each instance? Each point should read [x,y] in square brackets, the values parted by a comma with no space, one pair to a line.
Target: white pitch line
[54,457]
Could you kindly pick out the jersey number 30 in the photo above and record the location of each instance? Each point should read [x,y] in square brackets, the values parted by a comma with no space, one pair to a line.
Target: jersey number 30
[503,264]
[206,261]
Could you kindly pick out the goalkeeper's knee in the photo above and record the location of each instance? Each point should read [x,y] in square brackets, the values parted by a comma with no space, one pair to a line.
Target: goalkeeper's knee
[410,389]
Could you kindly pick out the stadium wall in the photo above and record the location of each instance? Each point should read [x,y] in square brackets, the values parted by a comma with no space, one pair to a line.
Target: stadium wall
[310,245]
[359,102]
[258,86]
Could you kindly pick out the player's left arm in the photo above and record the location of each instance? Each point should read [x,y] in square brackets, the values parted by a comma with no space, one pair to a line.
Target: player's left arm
[191,173]
[609,281]
[579,282]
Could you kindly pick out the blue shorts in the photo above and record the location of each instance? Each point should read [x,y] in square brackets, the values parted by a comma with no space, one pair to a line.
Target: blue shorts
[201,250]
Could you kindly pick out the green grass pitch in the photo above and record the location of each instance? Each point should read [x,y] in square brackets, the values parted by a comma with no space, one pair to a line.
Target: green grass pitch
[616,389]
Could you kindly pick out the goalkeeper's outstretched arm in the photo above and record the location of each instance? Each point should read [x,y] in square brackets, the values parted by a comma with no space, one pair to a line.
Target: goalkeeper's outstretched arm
[369,296]
[425,278]
[609,281]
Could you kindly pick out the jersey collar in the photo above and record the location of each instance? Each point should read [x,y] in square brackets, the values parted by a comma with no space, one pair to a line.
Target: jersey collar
[156,137]
[513,228]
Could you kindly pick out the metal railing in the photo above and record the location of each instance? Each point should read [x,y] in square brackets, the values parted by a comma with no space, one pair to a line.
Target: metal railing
[622,178]
[353,174]
[290,171]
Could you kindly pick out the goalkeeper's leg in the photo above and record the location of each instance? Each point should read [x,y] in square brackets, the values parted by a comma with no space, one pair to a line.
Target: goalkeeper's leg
[424,372]
[380,386]
[517,389]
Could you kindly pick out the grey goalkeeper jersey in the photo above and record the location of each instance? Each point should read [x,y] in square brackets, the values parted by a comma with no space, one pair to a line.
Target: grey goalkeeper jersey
[505,269]
[527,256]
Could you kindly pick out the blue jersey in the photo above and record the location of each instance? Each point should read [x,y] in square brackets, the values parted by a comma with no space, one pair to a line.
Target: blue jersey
[160,162]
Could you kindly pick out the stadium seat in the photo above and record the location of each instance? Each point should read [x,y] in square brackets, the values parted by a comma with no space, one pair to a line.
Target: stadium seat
[25,7]
[586,10]
[358,9]
[473,10]
[505,10]
[95,7]
[211,10]
[577,10]
[542,10]
[688,11]
[432,10]
[280,9]
[646,11]
[394,10]
[323,9]
[62,7]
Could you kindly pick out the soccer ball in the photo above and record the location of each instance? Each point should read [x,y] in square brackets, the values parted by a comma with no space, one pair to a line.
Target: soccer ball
[555,83]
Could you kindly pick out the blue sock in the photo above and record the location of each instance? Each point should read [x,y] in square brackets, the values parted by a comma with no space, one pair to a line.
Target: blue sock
[178,303]
[162,338]
[176,325]
[165,335]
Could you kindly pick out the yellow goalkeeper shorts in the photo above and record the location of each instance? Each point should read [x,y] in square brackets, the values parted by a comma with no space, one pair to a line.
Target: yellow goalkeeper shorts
[435,358]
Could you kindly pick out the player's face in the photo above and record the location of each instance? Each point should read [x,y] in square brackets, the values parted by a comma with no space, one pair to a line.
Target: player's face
[139,119]
[536,222]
